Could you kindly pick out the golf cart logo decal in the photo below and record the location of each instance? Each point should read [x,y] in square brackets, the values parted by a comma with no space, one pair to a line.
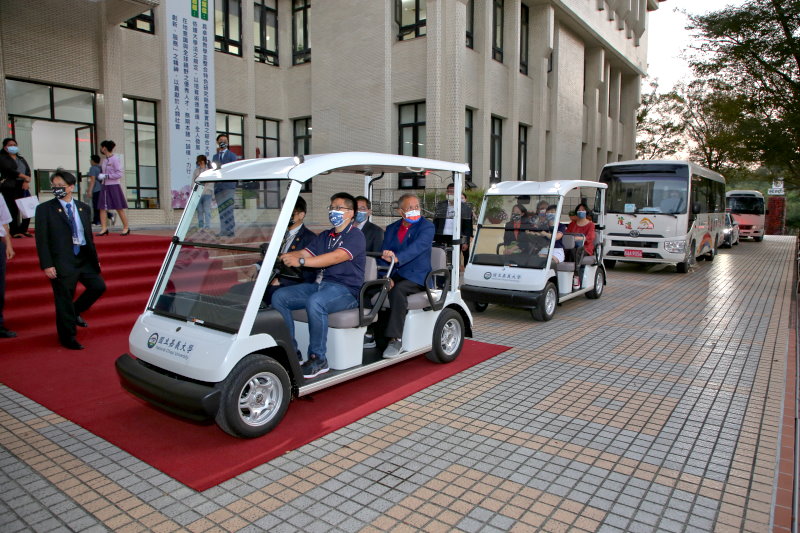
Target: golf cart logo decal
[172,346]
[505,276]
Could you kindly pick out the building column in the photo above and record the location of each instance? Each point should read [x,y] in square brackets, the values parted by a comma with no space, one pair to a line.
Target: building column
[594,72]
[511,55]
[542,29]
[446,24]
[109,118]
[630,99]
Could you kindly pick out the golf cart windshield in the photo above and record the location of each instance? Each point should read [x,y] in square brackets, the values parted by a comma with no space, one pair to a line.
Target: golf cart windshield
[218,246]
[515,231]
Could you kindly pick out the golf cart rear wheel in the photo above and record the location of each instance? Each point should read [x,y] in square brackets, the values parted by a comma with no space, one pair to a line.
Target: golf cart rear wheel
[599,282]
[255,396]
[546,307]
[448,337]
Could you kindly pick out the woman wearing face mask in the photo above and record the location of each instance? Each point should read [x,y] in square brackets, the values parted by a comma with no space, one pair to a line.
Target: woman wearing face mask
[539,219]
[112,196]
[516,238]
[15,180]
[585,227]
[557,252]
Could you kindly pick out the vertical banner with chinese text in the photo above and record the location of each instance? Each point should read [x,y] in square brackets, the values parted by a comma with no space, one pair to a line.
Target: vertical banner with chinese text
[191,108]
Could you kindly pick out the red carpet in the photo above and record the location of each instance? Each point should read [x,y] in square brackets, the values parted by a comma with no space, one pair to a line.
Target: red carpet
[83,386]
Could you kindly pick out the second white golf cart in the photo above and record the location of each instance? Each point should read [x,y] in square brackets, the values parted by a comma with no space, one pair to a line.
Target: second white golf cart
[513,262]
[207,346]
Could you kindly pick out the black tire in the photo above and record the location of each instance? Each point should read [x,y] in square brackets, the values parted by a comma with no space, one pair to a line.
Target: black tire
[448,337]
[479,307]
[610,263]
[683,268]
[599,283]
[711,255]
[255,396]
[548,301]
[758,239]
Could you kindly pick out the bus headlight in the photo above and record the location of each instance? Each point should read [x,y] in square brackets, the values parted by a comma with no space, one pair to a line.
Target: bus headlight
[675,247]
[727,230]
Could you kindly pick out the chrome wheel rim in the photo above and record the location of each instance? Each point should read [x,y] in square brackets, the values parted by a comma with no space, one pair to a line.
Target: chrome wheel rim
[260,398]
[550,301]
[451,336]
[598,283]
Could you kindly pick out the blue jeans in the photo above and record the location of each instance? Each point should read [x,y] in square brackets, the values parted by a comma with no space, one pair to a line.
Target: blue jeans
[319,300]
[204,212]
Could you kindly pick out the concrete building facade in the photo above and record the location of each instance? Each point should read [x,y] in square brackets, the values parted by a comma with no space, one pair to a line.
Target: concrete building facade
[519,89]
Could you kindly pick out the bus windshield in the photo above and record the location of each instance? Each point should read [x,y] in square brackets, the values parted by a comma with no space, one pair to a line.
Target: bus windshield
[631,193]
[746,205]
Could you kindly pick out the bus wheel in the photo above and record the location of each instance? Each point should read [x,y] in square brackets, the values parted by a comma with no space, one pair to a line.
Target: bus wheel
[254,398]
[479,307]
[683,268]
[758,239]
[711,255]
[546,306]
[609,263]
[599,282]
[448,337]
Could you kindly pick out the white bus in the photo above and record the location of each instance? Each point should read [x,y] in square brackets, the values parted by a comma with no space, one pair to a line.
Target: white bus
[663,212]
[747,208]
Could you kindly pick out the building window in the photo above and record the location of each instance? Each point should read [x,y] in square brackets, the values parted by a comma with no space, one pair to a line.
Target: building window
[228,26]
[302,142]
[141,22]
[411,18]
[141,153]
[232,126]
[301,46]
[412,138]
[522,156]
[523,40]
[468,134]
[497,31]
[265,31]
[470,23]
[267,137]
[496,150]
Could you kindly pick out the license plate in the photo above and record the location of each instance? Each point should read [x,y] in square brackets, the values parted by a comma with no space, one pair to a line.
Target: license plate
[633,253]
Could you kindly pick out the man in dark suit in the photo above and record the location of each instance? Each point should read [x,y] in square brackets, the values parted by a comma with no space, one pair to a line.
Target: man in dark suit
[372,232]
[297,237]
[409,242]
[443,222]
[225,191]
[67,256]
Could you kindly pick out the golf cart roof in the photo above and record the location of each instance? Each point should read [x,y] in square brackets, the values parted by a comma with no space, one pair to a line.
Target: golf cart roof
[364,163]
[555,187]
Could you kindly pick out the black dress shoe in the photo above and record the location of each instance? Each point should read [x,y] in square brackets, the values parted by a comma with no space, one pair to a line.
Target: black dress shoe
[7,333]
[72,344]
[81,322]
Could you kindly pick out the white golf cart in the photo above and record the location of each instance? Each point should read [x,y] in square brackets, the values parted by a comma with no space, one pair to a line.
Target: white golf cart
[205,348]
[515,266]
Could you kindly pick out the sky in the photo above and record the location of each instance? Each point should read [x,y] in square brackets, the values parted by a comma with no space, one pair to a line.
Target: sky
[669,38]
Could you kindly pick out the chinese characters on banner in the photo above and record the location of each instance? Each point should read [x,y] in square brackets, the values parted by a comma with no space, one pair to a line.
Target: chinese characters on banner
[190,76]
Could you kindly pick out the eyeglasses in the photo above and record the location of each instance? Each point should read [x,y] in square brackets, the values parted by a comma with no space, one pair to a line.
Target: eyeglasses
[363,209]
[339,208]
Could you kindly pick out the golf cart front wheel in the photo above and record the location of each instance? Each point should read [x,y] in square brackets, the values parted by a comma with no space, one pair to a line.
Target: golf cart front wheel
[546,306]
[448,337]
[255,396]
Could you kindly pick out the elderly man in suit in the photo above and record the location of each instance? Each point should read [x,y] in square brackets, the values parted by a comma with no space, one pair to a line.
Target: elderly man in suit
[372,232]
[67,256]
[409,242]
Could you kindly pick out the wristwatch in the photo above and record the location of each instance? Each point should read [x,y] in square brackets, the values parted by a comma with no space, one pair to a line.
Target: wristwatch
[302,261]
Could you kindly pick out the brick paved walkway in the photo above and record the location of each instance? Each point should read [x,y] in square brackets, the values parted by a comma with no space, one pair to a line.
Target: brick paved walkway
[656,408]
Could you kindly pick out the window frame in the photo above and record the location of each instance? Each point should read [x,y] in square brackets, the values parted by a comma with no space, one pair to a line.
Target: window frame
[496,150]
[411,180]
[300,55]
[225,43]
[469,138]
[262,53]
[524,38]
[227,131]
[522,154]
[498,19]
[131,189]
[305,138]
[410,31]
[470,33]
[148,17]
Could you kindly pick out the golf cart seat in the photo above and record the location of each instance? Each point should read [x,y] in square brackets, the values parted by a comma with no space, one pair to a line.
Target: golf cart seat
[573,254]
[430,298]
[361,315]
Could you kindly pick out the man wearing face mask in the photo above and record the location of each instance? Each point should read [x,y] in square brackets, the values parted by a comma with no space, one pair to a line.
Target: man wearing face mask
[340,255]
[67,255]
[372,232]
[538,219]
[443,220]
[409,242]
[224,191]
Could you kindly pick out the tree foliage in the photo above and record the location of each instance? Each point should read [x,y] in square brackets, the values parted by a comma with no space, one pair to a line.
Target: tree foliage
[659,125]
[753,53]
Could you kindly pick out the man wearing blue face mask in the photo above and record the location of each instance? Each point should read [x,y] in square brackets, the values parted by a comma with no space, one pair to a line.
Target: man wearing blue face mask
[340,255]
[409,242]
[372,232]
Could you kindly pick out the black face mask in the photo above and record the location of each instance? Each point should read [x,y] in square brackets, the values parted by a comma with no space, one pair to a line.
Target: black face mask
[223,145]
[60,192]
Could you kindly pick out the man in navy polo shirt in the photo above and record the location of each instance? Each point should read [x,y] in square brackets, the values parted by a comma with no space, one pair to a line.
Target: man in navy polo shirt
[340,254]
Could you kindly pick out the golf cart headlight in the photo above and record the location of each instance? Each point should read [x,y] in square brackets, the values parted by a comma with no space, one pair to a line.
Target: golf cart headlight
[675,247]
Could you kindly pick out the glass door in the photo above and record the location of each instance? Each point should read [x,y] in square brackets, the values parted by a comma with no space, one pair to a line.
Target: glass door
[84,148]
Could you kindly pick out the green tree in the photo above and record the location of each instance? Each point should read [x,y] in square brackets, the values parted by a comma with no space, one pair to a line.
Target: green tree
[754,50]
[659,124]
